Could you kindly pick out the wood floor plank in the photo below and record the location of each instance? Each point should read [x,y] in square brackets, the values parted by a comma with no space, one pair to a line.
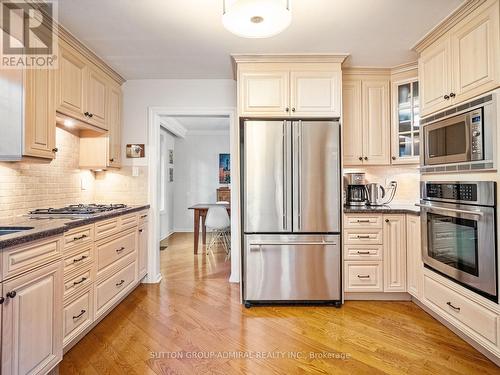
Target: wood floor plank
[172,327]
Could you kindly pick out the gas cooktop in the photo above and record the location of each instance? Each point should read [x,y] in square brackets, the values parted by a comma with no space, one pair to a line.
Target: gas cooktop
[75,210]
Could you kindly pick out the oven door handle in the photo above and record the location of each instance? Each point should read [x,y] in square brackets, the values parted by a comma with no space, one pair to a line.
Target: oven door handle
[475,213]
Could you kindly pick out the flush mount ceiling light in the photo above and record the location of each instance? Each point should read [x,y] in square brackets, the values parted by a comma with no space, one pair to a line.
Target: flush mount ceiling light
[256,18]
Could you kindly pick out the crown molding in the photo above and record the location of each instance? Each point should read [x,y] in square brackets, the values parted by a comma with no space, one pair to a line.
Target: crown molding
[240,58]
[365,70]
[447,23]
[403,68]
[78,45]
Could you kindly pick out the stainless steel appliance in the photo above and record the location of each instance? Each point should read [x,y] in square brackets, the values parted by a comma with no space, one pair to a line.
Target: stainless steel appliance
[462,138]
[291,211]
[74,210]
[459,233]
[356,191]
[377,195]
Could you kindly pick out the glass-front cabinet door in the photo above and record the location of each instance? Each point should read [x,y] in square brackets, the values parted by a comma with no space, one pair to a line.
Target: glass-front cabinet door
[405,122]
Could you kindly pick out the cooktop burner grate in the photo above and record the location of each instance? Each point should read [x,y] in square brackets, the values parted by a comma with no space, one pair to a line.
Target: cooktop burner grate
[78,209]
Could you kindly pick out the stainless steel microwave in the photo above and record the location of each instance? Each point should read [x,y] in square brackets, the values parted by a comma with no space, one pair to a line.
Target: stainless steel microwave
[462,138]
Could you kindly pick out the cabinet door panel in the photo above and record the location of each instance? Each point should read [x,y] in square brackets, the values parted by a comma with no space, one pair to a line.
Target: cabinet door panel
[415,268]
[315,93]
[96,98]
[264,93]
[71,84]
[32,322]
[435,76]
[376,125]
[475,46]
[352,123]
[394,253]
[115,127]
[40,113]
[143,250]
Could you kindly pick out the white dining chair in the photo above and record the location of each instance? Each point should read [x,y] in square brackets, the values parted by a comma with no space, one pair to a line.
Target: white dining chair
[219,224]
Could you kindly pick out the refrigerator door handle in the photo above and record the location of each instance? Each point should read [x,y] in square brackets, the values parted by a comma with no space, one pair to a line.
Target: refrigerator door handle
[299,177]
[285,204]
[258,246]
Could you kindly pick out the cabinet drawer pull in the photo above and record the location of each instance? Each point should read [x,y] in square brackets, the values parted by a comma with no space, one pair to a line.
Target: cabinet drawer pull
[363,252]
[446,97]
[83,257]
[452,95]
[79,282]
[80,237]
[79,315]
[2,300]
[363,220]
[120,283]
[363,276]
[453,307]
[11,294]
[363,236]
[55,149]
[141,230]
[143,216]
[120,249]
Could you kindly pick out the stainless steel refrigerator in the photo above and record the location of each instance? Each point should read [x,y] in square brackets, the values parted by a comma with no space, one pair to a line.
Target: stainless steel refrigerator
[291,207]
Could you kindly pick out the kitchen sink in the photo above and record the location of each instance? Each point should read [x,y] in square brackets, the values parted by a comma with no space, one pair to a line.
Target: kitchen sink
[11,230]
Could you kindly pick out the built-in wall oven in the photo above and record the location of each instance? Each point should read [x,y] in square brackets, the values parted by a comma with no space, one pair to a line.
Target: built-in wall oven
[459,233]
[461,138]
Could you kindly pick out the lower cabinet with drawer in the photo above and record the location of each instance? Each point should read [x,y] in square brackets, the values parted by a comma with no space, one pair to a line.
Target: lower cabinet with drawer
[78,314]
[374,253]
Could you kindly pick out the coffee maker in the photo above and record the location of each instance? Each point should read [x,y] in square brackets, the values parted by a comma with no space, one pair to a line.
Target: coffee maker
[356,190]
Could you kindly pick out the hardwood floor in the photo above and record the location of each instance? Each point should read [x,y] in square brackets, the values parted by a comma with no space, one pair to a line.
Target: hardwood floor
[194,311]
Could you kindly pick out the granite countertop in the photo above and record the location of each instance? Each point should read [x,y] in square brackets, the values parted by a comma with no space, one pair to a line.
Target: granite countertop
[43,228]
[387,209]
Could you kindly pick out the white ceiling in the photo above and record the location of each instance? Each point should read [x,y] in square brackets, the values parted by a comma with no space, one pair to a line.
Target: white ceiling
[185,38]
[202,123]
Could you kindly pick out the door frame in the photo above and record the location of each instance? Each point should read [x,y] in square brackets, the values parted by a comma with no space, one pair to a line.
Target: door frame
[154,123]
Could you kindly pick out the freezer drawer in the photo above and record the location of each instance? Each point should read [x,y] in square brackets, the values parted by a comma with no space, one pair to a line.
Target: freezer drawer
[292,268]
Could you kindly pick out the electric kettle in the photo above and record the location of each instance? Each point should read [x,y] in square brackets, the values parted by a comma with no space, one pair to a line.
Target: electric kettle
[376,193]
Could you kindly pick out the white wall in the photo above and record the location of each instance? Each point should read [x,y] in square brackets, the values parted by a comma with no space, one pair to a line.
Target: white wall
[167,215]
[139,95]
[196,175]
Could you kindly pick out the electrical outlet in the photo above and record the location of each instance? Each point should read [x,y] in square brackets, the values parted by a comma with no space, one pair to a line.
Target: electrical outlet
[135,172]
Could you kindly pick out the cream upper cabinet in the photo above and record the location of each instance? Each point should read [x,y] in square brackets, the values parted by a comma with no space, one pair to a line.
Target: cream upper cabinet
[352,123]
[376,122]
[415,266]
[475,46]
[366,121]
[394,232]
[32,321]
[97,96]
[435,76]
[462,63]
[315,93]
[264,93]
[40,114]
[71,82]
[115,126]
[289,86]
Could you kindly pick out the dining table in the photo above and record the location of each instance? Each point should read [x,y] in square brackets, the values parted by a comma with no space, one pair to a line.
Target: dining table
[200,213]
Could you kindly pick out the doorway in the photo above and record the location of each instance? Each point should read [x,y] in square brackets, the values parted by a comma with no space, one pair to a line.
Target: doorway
[199,139]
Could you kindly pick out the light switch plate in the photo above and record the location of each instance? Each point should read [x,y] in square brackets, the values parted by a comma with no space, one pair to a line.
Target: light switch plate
[135,172]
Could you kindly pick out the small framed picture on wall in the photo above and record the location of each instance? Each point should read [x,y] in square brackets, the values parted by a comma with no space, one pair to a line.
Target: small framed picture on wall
[224,169]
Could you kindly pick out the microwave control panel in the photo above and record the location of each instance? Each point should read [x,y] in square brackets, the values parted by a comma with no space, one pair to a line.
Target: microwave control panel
[457,192]
[476,134]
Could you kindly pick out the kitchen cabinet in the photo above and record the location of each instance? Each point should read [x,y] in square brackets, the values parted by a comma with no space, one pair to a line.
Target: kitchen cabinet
[394,253]
[289,86]
[32,321]
[97,96]
[142,249]
[463,62]
[405,133]
[415,266]
[264,93]
[366,122]
[315,93]
[353,123]
[71,83]
[114,149]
